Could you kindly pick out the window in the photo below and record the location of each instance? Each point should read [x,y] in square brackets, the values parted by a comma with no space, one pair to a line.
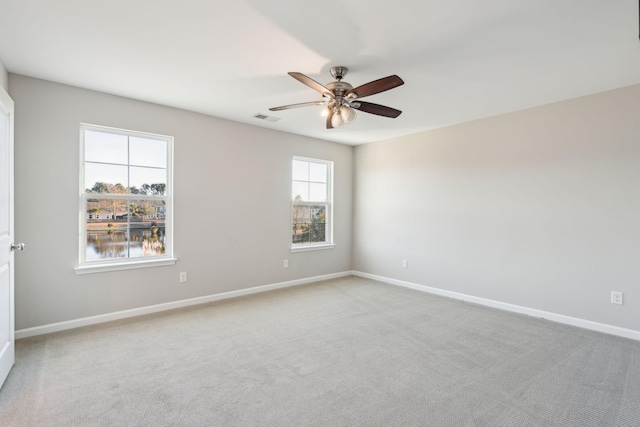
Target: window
[125,199]
[311,196]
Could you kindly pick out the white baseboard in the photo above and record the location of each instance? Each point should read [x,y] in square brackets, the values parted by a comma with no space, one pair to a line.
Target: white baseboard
[102,318]
[567,320]
[92,320]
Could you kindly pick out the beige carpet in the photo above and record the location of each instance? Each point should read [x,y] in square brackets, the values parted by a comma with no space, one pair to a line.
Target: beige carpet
[346,352]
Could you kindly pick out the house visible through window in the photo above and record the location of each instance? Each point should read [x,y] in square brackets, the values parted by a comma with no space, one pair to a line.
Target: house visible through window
[126,196]
[311,194]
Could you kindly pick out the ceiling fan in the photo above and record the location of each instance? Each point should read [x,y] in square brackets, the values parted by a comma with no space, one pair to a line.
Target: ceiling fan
[340,97]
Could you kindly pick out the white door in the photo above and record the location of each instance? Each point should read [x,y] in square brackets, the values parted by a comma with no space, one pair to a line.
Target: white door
[6,236]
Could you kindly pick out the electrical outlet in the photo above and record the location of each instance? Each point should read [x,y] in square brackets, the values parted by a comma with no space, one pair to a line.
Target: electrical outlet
[405,263]
[616,297]
[183,277]
[285,264]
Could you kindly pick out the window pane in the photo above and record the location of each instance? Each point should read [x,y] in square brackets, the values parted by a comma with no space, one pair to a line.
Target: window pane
[317,192]
[300,170]
[106,244]
[317,233]
[106,224]
[100,178]
[146,242]
[114,210]
[317,213]
[149,212]
[148,180]
[318,223]
[300,191]
[147,152]
[300,233]
[317,172]
[147,231]
[105,147]
[300,213]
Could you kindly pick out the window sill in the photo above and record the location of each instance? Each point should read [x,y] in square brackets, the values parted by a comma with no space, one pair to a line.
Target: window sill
[312,247]
[123,265]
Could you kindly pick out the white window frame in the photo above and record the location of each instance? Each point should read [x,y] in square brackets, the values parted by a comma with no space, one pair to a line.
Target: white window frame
[328,243]
[96,266]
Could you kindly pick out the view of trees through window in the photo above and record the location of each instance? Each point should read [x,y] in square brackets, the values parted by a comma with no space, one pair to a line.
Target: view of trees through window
[309,222]
[310,195]
[125,195]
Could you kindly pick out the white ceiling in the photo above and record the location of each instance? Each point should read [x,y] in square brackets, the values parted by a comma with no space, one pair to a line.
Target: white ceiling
[461,59]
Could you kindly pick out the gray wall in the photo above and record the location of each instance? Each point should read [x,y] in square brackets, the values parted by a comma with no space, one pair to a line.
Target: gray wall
[538,208]
[231,206]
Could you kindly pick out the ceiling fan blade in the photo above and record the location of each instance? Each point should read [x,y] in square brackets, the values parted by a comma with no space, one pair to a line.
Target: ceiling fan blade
[376,86]
[302,104]
[377,109]
[312,84]
[329,117]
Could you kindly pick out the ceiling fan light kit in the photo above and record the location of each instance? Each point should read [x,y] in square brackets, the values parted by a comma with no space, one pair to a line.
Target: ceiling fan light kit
[340,97]
[344,115]
[347,114]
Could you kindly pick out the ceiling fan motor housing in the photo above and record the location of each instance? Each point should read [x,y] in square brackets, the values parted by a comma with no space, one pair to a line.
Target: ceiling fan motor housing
[339,88]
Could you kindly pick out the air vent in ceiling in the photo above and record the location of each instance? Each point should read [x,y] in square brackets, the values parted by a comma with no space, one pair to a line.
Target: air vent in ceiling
[267,118]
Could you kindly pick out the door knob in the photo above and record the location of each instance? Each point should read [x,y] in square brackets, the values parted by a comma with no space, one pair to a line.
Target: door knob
[18,246]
